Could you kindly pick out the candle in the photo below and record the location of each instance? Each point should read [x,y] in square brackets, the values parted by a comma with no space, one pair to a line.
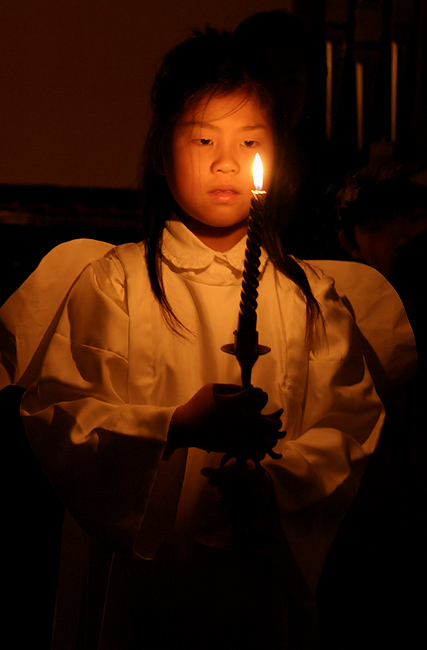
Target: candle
[245,345]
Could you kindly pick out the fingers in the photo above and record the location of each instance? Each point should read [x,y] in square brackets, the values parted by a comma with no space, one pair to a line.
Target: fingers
[226,418]
[276,415]
[270,425]
[275,423]
[251,399]
[222,390]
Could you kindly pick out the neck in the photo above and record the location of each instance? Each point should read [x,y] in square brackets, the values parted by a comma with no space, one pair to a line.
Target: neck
[219,239]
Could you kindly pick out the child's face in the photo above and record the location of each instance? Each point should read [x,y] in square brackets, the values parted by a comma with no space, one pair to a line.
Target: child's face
[210,171]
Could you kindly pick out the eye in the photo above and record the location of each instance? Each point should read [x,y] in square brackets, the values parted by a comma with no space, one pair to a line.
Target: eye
[249,144]
[203,142]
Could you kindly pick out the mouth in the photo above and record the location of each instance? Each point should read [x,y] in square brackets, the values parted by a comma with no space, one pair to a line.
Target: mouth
[224,188]
[224,194]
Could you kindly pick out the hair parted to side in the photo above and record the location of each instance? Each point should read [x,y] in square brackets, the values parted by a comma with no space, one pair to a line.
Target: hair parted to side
[208,64]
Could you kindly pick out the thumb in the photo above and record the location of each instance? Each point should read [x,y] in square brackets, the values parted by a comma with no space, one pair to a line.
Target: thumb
[250,399]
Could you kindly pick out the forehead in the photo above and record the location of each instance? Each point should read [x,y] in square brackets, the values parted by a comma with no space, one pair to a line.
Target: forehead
[238,108]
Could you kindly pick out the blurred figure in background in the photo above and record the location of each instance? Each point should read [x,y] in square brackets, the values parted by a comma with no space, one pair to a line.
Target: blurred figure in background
[383,222]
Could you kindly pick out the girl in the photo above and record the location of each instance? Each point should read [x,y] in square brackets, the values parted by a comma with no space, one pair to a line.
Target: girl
[130,396]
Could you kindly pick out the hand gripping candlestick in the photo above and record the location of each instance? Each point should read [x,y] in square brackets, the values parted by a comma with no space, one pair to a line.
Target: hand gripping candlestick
[245,346]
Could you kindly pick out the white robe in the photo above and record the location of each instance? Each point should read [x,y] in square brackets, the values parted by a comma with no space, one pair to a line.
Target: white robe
[104,375]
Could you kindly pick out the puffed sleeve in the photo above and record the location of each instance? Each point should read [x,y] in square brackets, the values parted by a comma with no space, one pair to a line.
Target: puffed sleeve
[342,415]
[30,315]
[101,452]
[340,422]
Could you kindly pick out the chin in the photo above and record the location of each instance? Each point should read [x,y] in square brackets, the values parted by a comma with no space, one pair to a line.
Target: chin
[227,223]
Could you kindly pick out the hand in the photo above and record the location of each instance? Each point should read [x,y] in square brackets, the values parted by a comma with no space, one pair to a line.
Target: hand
[225,418]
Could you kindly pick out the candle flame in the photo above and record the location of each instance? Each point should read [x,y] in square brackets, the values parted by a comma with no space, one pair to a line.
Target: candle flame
[257,172]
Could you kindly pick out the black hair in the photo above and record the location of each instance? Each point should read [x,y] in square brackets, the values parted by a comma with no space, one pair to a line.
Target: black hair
[211,63]
[276,31]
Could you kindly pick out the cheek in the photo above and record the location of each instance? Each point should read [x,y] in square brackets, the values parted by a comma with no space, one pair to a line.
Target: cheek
[178,172]
[189,166]
[185,182]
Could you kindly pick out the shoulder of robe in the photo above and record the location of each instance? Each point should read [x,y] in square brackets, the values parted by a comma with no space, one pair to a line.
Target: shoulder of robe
[30,314]
[387,337]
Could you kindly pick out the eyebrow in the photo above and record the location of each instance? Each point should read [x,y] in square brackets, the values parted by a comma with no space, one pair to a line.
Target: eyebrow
[209,125]
[254,127]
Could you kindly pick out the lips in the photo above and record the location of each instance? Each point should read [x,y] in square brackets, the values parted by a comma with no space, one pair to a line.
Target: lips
[223,189]
[224,193]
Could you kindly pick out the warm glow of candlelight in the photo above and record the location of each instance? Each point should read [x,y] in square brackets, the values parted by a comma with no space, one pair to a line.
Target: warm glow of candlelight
[257,171]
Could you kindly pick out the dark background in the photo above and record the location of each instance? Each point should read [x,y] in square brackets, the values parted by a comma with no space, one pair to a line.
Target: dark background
[75,78]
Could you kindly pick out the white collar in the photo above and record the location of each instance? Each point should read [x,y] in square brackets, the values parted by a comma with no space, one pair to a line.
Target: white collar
[186,251]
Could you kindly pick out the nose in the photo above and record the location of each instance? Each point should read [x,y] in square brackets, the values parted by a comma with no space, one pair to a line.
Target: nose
[225,162]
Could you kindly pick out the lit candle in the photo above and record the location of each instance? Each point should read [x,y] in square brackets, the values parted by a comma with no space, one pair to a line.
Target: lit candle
[245,345]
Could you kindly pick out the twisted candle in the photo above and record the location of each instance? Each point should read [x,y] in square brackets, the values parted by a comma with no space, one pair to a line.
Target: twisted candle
[245,345]
[249,294]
